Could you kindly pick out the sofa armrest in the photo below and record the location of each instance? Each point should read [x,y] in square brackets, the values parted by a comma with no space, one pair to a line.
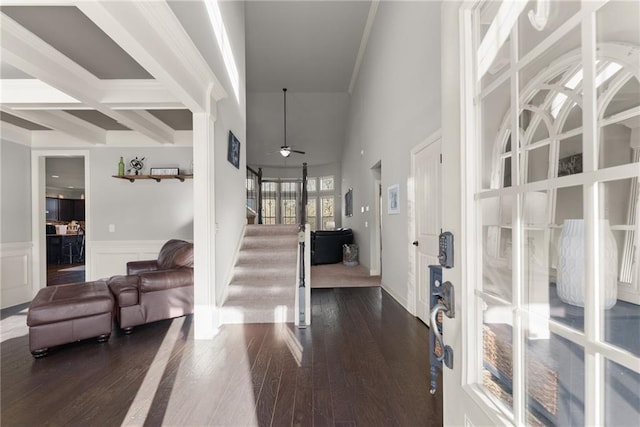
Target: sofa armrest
[125,290]
[165,279]
[137,267]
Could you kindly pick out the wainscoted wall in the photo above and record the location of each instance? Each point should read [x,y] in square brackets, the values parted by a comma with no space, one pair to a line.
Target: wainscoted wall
[109,258]
[15,273]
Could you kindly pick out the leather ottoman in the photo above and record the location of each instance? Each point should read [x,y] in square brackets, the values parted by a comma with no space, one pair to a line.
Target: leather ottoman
[67,313]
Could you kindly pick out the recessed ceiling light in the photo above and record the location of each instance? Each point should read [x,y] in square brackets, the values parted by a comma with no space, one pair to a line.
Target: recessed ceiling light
[55,176]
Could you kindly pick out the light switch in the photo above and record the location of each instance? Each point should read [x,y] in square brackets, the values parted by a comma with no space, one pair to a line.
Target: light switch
[112,228]
[362,209]
[367,209]
[366,224]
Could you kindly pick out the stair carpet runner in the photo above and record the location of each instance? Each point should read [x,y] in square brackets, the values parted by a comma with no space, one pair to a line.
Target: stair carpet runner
[262,289]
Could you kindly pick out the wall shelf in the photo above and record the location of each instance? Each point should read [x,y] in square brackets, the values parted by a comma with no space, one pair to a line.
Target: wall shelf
[157,178]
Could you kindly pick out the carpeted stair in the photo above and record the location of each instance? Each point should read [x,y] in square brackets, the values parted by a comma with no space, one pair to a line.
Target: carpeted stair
[263,286]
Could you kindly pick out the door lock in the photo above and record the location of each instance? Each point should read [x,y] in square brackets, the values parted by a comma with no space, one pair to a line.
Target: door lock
[415,243]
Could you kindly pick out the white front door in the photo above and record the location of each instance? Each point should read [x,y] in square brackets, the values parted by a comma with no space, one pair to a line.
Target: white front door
[426,175]
[540,189]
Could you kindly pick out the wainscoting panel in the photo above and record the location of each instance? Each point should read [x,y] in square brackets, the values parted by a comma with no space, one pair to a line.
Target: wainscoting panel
[109,258]
[15,273]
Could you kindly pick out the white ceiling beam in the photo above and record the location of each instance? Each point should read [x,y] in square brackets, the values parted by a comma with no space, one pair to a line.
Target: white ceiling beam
[144,118]
[27,52]
[152,35]
[16,91]
[117,94]
[138,92]
[63,122]
[13,133]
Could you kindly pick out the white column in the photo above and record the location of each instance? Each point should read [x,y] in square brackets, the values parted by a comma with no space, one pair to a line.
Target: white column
[205,310]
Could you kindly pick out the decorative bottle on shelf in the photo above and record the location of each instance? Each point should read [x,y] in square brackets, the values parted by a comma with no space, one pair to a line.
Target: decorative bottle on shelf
[121,167]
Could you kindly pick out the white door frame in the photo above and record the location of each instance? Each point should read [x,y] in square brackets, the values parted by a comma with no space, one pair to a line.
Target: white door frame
[376,253]
[413,216]
[38,218]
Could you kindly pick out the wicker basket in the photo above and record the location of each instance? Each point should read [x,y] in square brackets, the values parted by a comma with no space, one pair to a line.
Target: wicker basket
[542,382]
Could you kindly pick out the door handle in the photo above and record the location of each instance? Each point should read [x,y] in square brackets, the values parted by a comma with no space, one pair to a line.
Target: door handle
[415,243]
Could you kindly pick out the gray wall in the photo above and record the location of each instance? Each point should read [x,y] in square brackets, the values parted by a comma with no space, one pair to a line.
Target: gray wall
[15,192]
[395,106]
[144,209]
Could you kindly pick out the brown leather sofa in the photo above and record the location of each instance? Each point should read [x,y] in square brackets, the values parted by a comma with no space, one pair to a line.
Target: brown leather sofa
[155,289]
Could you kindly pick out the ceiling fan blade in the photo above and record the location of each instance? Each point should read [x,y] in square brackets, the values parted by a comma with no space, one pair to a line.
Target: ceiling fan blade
[298,151]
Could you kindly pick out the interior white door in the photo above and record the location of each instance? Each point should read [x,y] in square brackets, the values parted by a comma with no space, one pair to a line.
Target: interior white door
[428,201]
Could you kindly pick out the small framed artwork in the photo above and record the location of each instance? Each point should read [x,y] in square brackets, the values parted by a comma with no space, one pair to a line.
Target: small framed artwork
[570,165]
[233,150]
[348,203]
[163,171]
[393,199]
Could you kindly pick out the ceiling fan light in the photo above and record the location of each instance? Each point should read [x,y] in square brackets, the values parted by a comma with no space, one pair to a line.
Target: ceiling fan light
[285,151]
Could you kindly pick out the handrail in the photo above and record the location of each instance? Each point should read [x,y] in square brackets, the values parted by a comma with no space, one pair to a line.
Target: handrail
[305,195]
[304,259]
[256,193]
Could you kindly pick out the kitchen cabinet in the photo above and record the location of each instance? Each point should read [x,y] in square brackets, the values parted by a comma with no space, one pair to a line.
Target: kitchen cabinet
[52,209]
[64,209]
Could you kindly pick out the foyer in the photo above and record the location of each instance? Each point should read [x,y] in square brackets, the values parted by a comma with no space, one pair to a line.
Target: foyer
[364,362]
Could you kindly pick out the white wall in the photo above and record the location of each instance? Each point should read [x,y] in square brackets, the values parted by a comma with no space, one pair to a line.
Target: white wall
[15,224]
[395,106]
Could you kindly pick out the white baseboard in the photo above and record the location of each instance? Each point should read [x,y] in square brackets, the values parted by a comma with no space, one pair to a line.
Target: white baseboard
[401,300]
[16,285]
[109,258]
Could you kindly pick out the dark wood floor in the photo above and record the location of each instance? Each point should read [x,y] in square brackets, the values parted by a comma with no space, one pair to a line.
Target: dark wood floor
[56,274]
[363,362]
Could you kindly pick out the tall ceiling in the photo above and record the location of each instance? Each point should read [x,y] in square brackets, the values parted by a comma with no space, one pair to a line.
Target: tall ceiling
[83,70]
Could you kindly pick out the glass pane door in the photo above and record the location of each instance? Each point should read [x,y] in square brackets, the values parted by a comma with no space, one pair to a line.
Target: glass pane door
[557,204]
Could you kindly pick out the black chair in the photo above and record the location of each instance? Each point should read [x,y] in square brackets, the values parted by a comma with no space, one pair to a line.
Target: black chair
[73,247]
[326,245]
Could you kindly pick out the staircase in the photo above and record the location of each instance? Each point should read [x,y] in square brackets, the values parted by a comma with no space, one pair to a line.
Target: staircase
[264,279]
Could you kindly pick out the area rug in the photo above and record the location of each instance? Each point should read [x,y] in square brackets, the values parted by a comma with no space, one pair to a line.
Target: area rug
[76,268]
[341,276]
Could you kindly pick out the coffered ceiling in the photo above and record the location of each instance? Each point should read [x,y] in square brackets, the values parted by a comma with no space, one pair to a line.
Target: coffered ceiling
[93,69]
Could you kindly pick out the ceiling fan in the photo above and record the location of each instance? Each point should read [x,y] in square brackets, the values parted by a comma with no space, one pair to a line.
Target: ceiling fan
[285,150]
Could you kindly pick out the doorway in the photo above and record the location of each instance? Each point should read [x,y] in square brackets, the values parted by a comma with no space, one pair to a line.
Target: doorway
[376,238]
[65,219]
[60,199]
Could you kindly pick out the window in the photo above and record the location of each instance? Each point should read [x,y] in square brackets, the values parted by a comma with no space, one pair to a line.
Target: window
[323,203]
[326,183]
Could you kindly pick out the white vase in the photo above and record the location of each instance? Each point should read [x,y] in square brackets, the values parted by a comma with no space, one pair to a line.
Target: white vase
[570,271]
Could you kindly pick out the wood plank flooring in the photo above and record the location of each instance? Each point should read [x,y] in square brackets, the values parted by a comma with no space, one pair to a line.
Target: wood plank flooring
[363,362]
[57,276]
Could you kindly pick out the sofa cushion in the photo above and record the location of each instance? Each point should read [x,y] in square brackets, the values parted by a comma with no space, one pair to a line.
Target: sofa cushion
[65,302]
[175,254]
[125,289]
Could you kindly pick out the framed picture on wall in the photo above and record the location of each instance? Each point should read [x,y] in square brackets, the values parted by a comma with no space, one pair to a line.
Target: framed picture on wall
[233,150]
[393,199]
[348,203]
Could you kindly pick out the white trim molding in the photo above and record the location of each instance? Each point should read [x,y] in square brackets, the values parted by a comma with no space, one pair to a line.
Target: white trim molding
[109,258]
[15,273]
